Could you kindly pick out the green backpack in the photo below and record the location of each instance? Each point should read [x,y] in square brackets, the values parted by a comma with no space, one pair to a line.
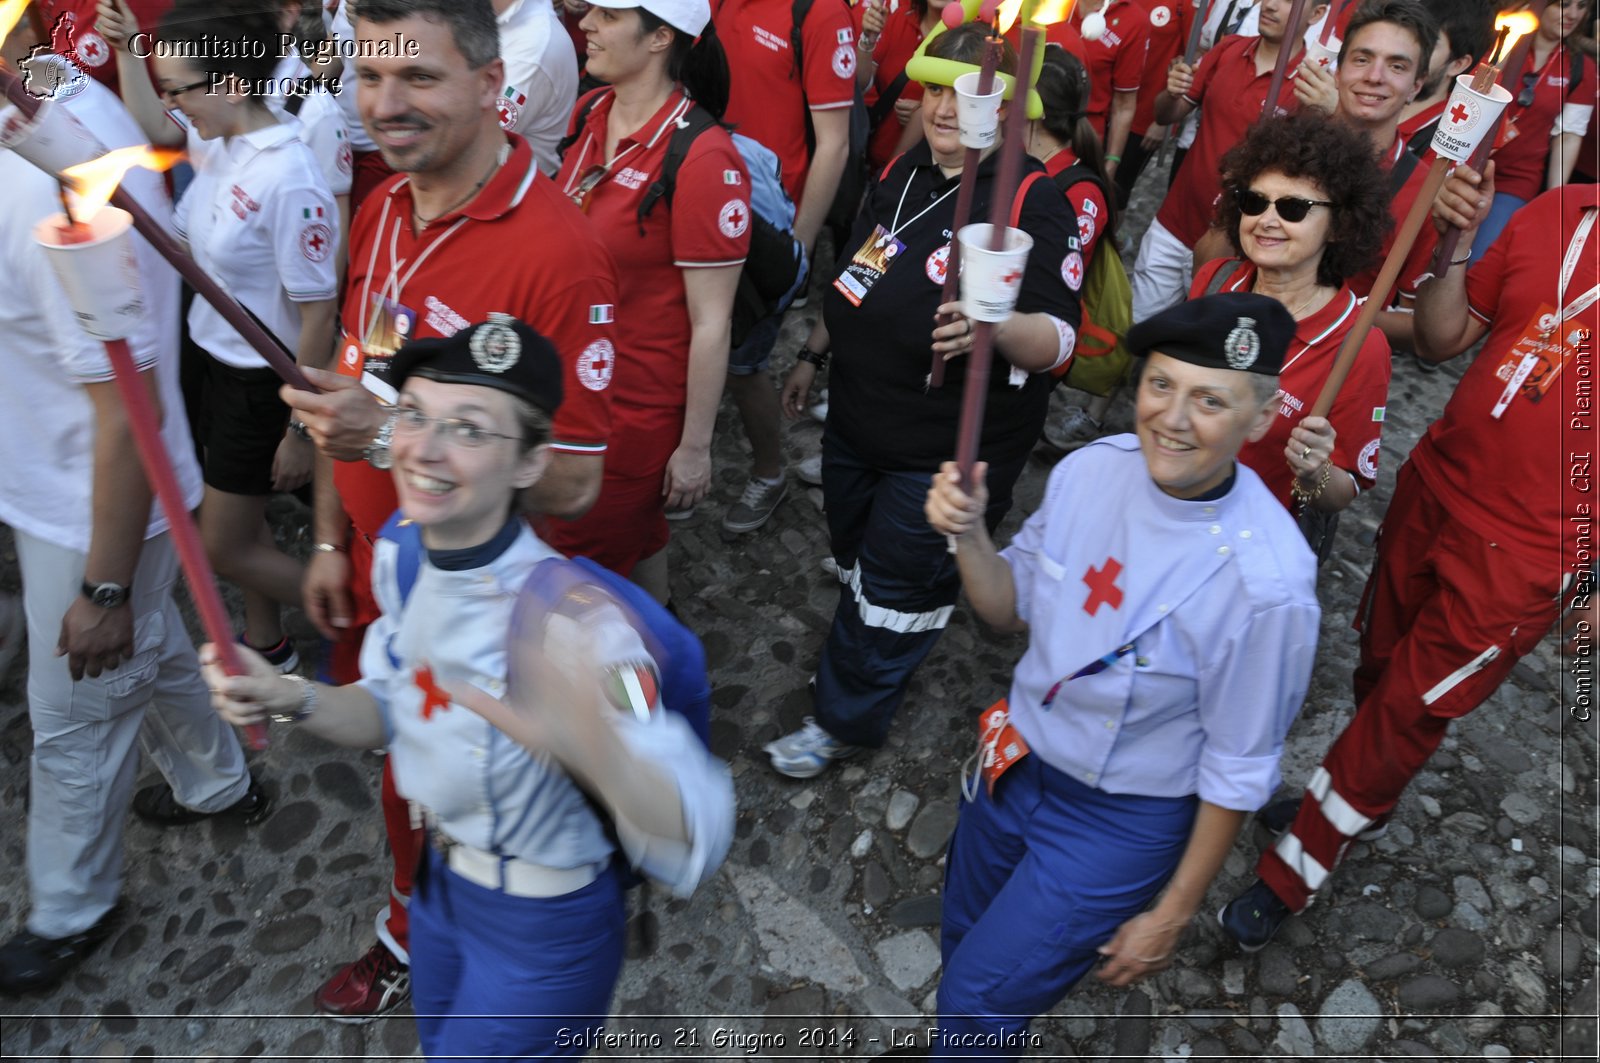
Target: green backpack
[1099,365]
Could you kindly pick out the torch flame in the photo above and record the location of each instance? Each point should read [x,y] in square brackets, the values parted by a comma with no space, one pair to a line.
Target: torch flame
[93,182]
[11,12]
[1034,12]
[1519,24]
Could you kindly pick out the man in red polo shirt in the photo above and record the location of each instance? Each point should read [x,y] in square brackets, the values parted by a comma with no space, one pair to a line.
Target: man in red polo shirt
[1167,32]
[428,258]
[772,98]
[1231,81]
[1466,29]
[1487,541]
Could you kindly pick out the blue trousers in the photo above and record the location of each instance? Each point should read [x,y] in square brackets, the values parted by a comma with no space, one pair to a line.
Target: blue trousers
[1038,878]
[898,586]
[504,977]
[1500,211]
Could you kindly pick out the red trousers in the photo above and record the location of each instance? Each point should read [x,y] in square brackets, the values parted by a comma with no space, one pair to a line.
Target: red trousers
[405,839]
[1445,616]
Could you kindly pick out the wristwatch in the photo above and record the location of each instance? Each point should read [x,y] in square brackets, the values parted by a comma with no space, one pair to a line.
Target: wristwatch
[106,595]
[308,701]
[377,452]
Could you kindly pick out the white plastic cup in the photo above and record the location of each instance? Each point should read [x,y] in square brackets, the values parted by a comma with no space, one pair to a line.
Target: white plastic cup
[1323,55]
[979,115]
[990,280]
[99,275]
[53,141]
[1467,118]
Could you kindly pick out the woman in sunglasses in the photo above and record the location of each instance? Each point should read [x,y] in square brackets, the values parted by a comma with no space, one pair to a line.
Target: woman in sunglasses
[883,321]
[1553,99]
[1304,205]
[677,267]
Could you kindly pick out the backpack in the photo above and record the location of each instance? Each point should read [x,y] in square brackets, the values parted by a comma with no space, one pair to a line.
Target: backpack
[1100,361]
[775,269]
[853,181]
[685,687]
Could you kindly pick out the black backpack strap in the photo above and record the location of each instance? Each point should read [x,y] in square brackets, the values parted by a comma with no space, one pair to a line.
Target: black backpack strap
[1223,275]
[1574,70]
[885,103]
[297,98]
[1076,173]
[797,17]
[695,120]
[1402,169]
[1422,139]
[580,118]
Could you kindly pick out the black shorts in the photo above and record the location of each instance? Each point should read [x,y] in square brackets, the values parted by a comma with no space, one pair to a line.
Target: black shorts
[239,425]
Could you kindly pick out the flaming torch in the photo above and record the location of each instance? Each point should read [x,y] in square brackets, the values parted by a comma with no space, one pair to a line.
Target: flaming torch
[991,280]
[47,135]
[89,248]
[1466,132]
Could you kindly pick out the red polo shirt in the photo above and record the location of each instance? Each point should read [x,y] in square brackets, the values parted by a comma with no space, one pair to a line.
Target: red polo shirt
[708,224]
[1517,479]
[520,248]
[1520,162]
[1357,415]
[1231,95]
[1115,62]
[73,34]
[1429,116]
[1168,32]
[768,100]
[1420,261]
[1086,201]
[902,32]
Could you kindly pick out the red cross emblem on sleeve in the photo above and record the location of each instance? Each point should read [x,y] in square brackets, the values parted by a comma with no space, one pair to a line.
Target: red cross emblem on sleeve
[433,696]
[316,242]
[1103,589]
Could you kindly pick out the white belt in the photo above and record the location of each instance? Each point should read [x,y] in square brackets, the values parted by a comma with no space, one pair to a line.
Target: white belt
[517,878]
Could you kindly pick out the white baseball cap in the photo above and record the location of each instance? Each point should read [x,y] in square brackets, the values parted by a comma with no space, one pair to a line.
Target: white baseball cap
[686,16]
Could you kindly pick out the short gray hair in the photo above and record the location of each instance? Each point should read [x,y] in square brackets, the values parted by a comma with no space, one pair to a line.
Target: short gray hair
[472,23]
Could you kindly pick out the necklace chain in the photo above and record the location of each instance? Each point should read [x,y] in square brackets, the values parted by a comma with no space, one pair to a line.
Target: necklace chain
[464,200]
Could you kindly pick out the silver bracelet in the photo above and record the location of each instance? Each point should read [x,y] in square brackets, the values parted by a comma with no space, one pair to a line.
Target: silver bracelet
[308,701]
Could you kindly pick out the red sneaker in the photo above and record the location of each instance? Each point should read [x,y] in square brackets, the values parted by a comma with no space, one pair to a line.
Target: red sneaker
[361,991]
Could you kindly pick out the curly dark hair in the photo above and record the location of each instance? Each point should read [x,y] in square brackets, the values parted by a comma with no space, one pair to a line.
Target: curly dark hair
[1316,148]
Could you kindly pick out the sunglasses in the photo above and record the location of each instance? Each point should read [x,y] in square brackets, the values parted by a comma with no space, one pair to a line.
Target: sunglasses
[1289,208]
[1530,83]
[588,183]
[173,93]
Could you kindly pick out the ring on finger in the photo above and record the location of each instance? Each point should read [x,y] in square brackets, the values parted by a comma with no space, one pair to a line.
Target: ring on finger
[1305,452]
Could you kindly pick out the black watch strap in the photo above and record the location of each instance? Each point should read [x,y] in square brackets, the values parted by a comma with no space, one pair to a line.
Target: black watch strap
[106,595]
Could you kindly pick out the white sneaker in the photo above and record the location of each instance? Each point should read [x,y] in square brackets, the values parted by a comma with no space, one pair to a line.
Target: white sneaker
[807,752]
[1073,430]
[755,505]
[680,514]
[810,471]
[819,410]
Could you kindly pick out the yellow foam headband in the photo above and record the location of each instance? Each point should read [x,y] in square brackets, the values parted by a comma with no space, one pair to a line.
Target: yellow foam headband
[935,71]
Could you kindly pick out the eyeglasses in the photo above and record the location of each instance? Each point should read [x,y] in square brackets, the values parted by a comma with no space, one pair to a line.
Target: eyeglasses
[411,421]
[1289,208]
[172,94]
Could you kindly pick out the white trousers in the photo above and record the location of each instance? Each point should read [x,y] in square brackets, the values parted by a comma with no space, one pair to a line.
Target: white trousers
[84,733]
[1161,274]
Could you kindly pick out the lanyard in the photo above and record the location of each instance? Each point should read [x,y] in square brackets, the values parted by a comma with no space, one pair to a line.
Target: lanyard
[1569,266]
[897,228]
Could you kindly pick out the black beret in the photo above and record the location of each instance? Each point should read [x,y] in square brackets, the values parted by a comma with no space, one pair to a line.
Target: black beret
[1232,330]
[501,352]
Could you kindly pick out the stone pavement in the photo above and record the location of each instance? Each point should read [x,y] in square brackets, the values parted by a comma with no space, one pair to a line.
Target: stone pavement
[1470,931]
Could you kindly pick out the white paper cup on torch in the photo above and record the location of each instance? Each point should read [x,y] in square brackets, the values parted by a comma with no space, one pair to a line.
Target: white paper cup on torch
[1323,55]
[990,280]
[1468,117]
[98,273]
[53,140]
[979,115]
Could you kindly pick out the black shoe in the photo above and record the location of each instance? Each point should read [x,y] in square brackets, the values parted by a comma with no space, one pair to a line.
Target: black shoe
[29,963]
[1254,916]
[157,804]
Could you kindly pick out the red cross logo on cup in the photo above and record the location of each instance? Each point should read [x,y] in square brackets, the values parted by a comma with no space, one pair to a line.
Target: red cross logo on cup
[1459,114]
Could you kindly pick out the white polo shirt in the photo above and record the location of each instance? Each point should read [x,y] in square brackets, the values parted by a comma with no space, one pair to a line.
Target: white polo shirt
[260,220]
[45,415]
[541,78]
[322,123]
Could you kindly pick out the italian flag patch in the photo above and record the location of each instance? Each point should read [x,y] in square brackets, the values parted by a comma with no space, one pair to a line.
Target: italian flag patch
[311,213]
[518,98]
[601,314]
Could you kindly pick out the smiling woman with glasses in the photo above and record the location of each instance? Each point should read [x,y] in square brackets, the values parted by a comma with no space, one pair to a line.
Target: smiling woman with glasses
[1305,209]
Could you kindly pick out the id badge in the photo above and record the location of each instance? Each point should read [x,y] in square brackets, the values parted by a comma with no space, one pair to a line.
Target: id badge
[999,744]
[868,265]
[391,326]
[1534,361]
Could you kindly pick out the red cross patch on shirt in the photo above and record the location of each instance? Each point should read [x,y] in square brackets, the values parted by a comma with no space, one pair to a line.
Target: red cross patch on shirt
[433,696]
[1103,589]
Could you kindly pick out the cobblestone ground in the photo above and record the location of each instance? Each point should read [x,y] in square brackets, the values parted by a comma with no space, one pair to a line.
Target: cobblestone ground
[1469,931]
